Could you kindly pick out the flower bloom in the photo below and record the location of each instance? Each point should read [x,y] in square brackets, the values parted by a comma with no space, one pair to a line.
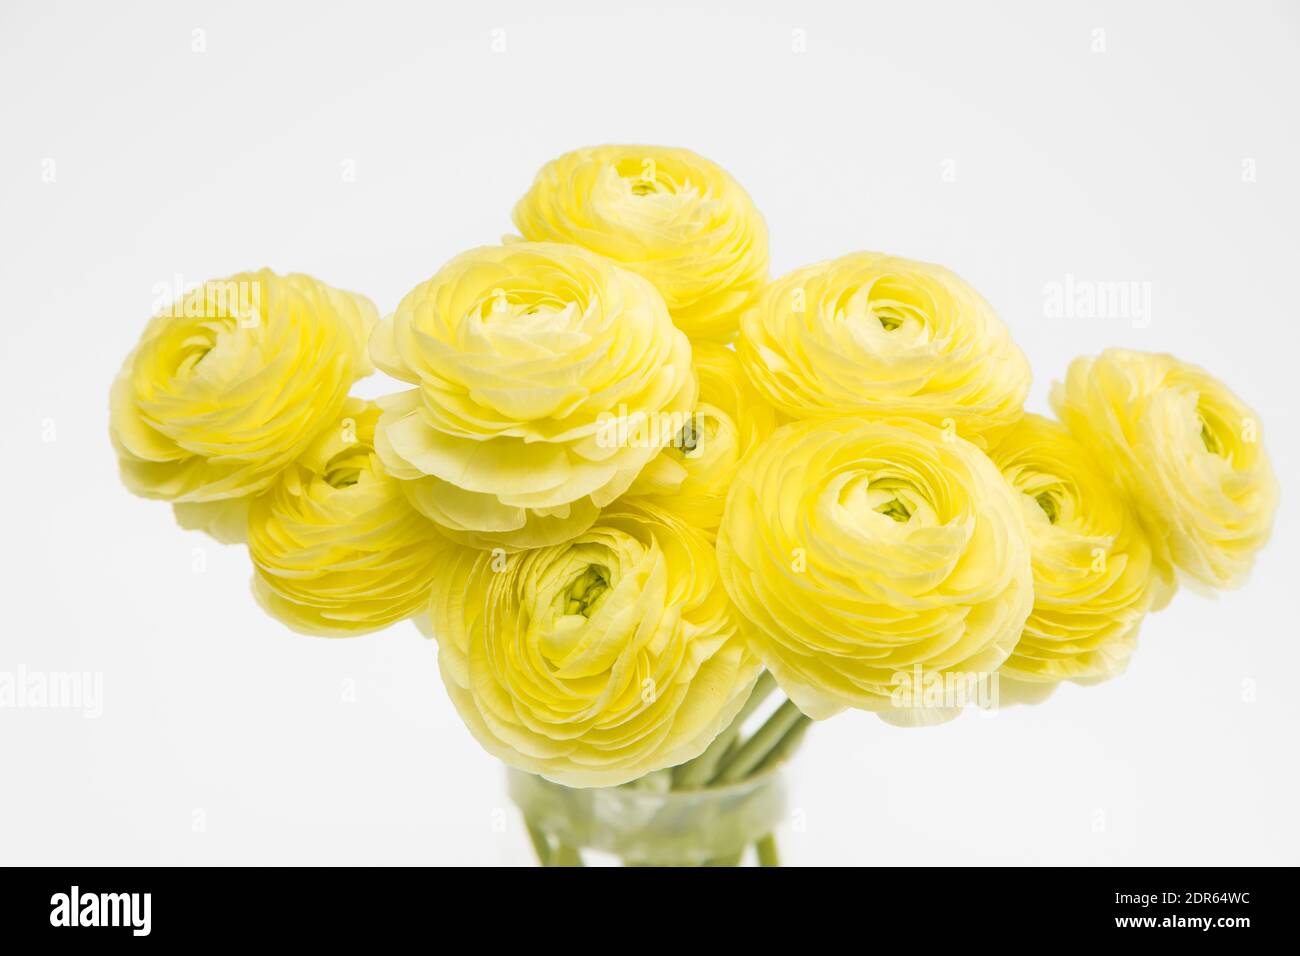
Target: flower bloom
[668,214]
[595,661]
[692,476]
[1186,449]
[1095,575]
[230,385]
[875,335]
[861,551]
[528,359]
[337,549]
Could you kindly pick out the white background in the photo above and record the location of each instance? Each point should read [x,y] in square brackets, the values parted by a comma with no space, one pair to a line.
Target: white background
[225,738]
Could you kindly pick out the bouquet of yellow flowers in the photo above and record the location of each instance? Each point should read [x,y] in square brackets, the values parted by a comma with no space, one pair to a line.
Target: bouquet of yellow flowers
[633,488]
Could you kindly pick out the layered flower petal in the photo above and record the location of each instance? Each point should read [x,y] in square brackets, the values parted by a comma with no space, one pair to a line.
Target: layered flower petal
[875,335]
[1095,575]
[226,519]
[525,358]
[595,661]
[692,476]
[862,552]
[1185,448]
[228,386]
[670,215]
[337,548]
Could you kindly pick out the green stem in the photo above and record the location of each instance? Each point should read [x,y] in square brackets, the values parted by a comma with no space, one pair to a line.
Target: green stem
[566,855]
[767,855]
[541,845]
[698,772]
[732,859]
[785,746]
[755,750]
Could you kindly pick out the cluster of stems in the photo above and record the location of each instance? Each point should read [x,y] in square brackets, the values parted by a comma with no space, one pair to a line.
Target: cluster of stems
[730,759]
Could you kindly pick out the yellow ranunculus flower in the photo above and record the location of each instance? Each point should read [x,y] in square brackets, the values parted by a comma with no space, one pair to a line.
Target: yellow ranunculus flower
[1095,576]
[337,549]
[691,477]
[595,661]
[1186,449]
[668,214]
[862,551]
[547,378]
[229,385]
[875,335]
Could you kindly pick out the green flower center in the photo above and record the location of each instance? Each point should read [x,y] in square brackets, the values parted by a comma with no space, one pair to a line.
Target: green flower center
[895,509]
[1210,440]
[689,438]
[581,596]
[344,469]
[1047,501]
[511,306]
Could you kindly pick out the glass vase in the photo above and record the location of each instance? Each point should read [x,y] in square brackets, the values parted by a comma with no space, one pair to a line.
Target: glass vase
[643,824]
